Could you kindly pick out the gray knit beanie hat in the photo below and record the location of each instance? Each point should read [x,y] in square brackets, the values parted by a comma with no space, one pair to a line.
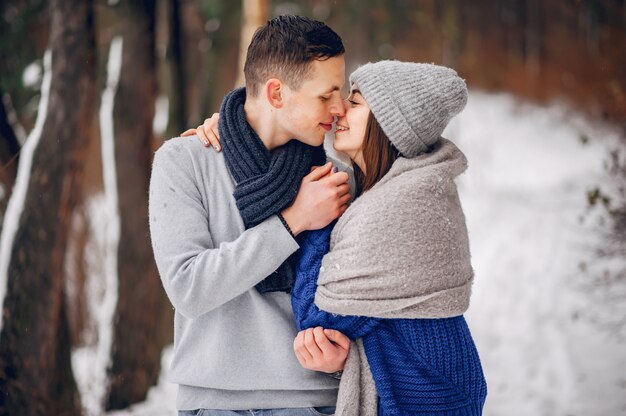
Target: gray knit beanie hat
[413,103]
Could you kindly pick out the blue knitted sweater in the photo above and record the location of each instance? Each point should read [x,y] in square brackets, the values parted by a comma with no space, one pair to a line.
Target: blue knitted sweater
[420,366]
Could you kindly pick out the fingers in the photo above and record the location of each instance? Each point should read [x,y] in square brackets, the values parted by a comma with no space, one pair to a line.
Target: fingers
[211,131]
[338,178]
[208,132]
[345,198]
[202,136]
[320,349]
[333,170]
[338,338]
[189,132]
[311,345]
[319,173]
[342,190]
[307,351]
[303,356]
[325,346]
[203,132]
[300,359]
[343,204]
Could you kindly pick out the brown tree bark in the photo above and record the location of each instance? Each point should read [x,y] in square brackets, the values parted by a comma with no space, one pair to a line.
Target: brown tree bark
[35,368]
[255,14]
[141,318]
[177,47]
[9,152]
[216,76]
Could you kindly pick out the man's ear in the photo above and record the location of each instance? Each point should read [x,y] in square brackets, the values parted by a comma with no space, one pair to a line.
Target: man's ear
[274,90]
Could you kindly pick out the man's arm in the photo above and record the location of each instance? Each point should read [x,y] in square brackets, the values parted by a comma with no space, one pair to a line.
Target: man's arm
[197,274]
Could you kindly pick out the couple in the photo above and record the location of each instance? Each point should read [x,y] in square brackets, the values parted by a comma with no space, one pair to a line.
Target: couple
[281,307]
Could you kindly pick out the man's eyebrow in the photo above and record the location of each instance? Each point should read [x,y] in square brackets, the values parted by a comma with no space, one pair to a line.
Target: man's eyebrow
[333,89]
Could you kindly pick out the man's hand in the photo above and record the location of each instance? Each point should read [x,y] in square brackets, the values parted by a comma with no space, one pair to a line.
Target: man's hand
[207,132]
[322,197]
[321,349]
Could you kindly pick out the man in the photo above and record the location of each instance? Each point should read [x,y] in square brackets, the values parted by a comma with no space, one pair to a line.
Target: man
[223,228]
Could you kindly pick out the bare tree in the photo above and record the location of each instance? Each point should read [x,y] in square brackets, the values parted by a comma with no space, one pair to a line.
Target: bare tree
[9,152]
[35,368]
[255,13]
[141,308]
[179,96]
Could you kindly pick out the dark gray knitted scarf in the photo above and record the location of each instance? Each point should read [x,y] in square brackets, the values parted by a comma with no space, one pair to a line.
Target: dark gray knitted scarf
[266,182]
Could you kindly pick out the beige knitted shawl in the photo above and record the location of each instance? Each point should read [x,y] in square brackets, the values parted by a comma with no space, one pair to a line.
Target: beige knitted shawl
[400,251]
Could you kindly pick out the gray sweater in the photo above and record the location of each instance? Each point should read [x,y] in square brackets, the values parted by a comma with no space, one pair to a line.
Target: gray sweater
[233,347]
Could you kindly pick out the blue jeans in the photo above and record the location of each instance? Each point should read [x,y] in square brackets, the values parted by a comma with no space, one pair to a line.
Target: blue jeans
[304,411]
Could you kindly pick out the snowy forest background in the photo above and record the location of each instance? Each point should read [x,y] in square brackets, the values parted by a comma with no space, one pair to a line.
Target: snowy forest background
[90,88]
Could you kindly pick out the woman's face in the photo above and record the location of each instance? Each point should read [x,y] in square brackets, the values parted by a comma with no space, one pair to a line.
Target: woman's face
[350,131]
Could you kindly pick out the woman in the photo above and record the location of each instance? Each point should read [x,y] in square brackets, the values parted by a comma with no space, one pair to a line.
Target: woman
[394,272]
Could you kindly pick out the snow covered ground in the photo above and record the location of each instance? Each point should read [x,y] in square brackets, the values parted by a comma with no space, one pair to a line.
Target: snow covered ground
[547,313]
[545,309]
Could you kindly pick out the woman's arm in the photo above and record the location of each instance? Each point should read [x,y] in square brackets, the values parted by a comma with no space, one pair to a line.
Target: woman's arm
[312,250]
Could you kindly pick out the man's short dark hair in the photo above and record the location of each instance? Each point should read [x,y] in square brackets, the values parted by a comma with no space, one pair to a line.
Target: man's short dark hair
[284,48]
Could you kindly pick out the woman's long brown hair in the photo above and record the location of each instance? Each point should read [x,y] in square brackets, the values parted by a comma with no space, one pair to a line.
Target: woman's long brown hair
[378,155]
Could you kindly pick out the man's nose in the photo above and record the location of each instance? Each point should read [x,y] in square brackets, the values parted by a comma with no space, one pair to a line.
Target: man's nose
[337,107]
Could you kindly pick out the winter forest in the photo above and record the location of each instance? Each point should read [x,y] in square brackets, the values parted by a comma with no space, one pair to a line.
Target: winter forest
[91,88]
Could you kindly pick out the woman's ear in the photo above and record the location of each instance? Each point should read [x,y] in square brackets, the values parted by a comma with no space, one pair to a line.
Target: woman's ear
[274,92]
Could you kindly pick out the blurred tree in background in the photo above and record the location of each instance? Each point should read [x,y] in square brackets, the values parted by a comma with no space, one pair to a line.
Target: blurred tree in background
[141,304]
[35,363]
[178,59]
[568,49]
[9,156]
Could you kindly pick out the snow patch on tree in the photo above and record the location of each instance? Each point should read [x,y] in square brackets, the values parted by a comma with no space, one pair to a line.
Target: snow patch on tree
[161,115]
[32,75]
[91,363]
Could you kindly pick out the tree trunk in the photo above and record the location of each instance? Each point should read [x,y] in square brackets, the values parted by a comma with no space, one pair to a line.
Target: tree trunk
[255,13]
[141,312]
[217,77]
[9,151]
[35,367]
[179,96]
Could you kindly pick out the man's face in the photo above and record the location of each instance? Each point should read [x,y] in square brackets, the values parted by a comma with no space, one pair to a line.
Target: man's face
[308,112]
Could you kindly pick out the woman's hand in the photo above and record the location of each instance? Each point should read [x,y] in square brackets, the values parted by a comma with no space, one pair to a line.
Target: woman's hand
[207,132]
[322,349]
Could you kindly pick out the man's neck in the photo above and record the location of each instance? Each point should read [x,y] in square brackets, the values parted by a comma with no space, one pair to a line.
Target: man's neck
[263,122]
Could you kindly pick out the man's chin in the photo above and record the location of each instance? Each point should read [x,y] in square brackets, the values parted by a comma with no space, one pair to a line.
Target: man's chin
[315,141]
